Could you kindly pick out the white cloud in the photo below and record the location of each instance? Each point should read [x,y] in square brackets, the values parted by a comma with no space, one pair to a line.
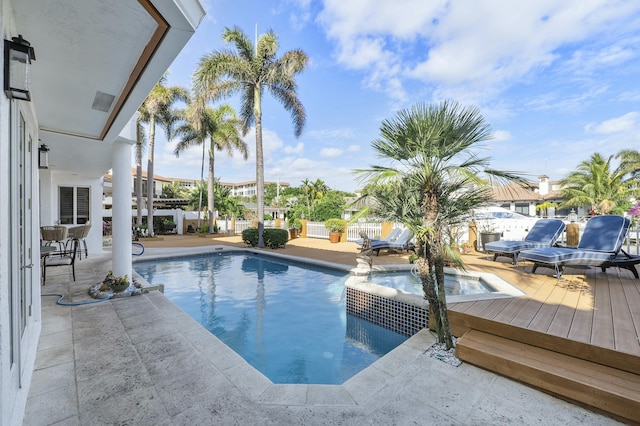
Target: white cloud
[353,148]
[501,136]
[298,149]
[479,46]
[331,152]
[625,123]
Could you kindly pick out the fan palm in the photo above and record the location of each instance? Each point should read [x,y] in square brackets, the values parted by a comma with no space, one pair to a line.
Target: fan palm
[250,70]
[156,110]
[433,172]
[220,127]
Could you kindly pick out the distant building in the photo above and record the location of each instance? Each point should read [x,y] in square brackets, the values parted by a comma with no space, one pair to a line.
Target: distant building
[249,189]
[524,200]
[242,189]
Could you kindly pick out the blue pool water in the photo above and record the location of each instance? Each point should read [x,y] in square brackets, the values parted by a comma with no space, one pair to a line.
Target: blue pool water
[288,320]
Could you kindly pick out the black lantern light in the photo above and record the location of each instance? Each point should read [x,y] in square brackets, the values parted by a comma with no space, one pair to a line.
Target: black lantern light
[43,157]
[18,55]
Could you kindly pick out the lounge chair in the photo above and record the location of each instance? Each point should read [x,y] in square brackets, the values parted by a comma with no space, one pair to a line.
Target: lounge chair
[544,233]
[599,246]
[393,235]
[403,242]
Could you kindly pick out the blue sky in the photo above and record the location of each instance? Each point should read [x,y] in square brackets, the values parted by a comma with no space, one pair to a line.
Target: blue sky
[556,80]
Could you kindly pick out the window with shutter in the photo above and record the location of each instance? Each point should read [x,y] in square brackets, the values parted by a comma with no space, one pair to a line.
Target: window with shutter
[74,204]
[66,205]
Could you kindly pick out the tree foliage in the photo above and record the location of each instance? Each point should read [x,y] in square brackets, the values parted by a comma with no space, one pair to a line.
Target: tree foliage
[157,110]
[219,128]
[249,71]
[596,182]
[432,180]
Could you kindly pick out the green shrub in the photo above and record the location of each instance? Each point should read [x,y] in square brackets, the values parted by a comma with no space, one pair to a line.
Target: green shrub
[335,225]
[273,238]
[250,236]
[204,228]
[294,223]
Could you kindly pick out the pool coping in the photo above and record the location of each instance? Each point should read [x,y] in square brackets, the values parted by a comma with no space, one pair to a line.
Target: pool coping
[256,386]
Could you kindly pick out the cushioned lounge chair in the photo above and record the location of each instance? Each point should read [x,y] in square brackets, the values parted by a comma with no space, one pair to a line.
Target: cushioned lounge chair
[403,242]
[599,246]
[624,261]
[393,235]
[544,233]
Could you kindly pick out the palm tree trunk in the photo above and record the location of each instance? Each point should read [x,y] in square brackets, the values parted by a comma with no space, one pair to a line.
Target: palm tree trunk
[210,188]
[150,185]
[139,175]
[259,167]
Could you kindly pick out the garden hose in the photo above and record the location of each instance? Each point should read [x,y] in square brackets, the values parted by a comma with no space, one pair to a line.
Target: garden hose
[61,296]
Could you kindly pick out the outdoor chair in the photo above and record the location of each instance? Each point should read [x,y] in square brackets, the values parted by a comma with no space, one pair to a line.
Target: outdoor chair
[403,242]
[600,245]
[393,235]
[544,233]
[54,234]
[67,259]
[79,233]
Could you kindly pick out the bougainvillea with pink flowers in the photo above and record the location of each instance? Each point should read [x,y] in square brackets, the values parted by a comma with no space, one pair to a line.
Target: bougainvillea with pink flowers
[634,212]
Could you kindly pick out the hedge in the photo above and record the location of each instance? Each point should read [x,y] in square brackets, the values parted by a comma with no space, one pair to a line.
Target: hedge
[273,237]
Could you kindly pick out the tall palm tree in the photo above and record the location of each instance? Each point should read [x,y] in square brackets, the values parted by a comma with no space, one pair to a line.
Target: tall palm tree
[220,127]
[250,70]
[156,110]
[595,183]
[433,166]
[141,141]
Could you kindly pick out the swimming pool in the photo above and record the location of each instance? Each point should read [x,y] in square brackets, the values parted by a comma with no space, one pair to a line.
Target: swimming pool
[286,319]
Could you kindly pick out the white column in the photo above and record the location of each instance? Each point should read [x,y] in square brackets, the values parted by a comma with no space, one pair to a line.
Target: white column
[121,181]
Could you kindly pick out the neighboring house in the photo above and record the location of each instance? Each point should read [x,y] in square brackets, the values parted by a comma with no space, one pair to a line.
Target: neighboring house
[95,63]
[524,200]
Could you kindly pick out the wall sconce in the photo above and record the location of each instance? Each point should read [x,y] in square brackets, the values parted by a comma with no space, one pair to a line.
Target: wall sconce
[18,55]
[43,157]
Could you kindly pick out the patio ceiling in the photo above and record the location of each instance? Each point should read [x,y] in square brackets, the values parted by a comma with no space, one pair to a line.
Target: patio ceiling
[96,60]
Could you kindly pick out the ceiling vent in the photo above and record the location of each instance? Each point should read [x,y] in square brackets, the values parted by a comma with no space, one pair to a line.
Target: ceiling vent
[102,101]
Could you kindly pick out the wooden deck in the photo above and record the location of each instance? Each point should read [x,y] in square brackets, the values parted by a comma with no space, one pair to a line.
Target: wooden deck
[586,305]
[587,315]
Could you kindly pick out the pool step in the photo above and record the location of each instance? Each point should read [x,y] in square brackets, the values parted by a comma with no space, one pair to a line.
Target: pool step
[604,388]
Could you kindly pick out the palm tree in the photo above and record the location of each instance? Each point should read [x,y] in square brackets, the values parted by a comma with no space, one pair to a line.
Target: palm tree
[595,183]
[433,169]
[630,162]
[141,141]
[221,128]
[156,109]
[250,70]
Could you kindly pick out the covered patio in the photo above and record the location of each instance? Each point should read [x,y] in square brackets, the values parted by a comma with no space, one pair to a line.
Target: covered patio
[68,119]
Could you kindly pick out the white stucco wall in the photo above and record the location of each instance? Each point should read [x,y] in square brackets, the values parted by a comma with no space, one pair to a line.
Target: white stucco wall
[15,378]
[51,181]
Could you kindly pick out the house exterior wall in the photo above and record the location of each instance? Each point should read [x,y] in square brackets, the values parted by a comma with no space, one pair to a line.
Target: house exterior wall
[17,354]
[49,184]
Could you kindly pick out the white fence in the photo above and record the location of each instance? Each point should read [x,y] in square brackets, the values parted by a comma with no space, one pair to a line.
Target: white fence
[511,229]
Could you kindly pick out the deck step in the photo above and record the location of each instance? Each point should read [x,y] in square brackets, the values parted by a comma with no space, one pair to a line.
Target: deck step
[604,388]
[461,323]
